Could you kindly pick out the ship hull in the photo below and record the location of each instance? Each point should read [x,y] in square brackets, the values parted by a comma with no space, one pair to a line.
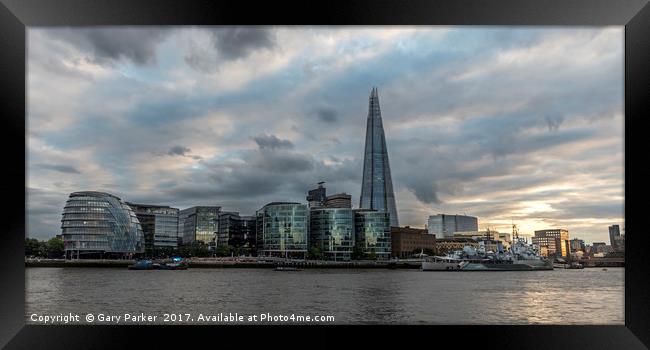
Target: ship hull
[471,266]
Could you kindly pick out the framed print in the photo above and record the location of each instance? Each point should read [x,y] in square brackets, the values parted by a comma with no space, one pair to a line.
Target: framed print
[212,170]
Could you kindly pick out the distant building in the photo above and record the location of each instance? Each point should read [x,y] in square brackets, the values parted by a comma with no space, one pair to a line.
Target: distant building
[556,242]
[339,200]
[406,240]
[372,232]
[577,245]
[615,238]
[98,224]
[331,230]
[282,229]
[598,247]
[316,197]
[445,245]
[444,226]
[199,224]
[486,235]
[159,225]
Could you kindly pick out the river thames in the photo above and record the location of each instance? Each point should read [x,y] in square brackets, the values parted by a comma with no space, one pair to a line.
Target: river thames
[374,296]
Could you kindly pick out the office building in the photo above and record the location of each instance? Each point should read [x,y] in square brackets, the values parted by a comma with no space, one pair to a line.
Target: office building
[406,241]
[159,225]
[372,232]
[377,185]
[236,232]
[199,224]
[616,240]
[556,242]
[444,226]
[282,230]
[339,200]
[486,235]
[98,224]
[331,230]
[577,245]
[316,197]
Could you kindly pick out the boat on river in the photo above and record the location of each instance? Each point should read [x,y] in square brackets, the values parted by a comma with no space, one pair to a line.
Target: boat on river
[520,257]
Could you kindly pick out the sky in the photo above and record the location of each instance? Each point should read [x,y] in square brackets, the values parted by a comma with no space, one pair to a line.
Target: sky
[516,125]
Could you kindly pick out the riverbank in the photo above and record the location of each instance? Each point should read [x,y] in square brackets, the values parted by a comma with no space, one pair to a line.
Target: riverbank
[213,263]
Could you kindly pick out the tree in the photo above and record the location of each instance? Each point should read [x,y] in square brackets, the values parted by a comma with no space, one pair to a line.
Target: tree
[315,253]
[371,256]
[32,247]
[54,248]
[357,253]
[223,250]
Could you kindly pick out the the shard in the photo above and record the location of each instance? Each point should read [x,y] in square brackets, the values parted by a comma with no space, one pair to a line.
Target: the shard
[377,185]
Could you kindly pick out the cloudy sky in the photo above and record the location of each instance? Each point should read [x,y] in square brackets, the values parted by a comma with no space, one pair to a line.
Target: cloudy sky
[520,124]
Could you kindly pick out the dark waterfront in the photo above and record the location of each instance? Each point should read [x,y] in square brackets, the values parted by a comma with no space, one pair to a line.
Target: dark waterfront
[589,296]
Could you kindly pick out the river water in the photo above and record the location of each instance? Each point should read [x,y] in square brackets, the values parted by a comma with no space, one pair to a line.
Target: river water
[588,296]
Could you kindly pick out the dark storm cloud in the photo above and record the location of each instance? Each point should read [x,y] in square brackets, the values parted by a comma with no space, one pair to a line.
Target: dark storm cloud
[60,168]
[237,42]
[326,114]
[178,151]
[230,43]
[271,142]
[109,44]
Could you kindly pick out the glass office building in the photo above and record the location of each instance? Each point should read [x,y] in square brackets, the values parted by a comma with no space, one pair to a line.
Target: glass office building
[159,225]
[199,224]
[282,229]
[444,226]
[98,223]
[377,185]
[332,231]
[372,232]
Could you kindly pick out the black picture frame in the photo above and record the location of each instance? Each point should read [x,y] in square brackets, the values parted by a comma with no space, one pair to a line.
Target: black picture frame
[16,15]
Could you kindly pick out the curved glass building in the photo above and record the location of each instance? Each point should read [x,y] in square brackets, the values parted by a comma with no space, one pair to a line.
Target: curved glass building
[95,223]
[282,229]
[372,232]
[332,231]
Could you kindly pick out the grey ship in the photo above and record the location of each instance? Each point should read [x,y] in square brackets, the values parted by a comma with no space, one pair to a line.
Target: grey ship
[520,257]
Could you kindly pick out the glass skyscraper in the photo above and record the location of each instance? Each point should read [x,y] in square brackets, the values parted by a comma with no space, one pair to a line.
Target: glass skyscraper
[377,185]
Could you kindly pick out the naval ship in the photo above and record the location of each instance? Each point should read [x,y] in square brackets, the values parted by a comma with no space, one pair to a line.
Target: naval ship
[521,256]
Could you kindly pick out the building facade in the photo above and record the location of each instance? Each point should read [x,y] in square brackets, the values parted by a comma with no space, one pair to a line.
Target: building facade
[556,242]
[96,224]
[282,229]
[372,232]
[331,230]
[339,200]
[444,226]
[577,245]
[377,184]
[405,241]
[159,225]
[616,240]
[446,245]
[237,232]
[199,224]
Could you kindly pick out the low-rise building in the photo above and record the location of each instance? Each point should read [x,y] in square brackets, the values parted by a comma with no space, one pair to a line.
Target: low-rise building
[407,240]
[444,245]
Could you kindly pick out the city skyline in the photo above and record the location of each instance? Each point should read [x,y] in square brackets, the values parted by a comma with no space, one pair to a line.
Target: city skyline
[242,117]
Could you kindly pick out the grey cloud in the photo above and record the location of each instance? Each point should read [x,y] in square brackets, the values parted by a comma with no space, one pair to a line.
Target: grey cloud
[60,168]
[237,42]
[178,151]
[265,141]
[230,43]
[108,44]
[326,114]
